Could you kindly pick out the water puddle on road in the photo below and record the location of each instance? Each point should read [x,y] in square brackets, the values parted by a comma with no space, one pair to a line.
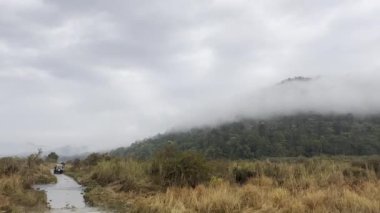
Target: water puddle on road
[65,196]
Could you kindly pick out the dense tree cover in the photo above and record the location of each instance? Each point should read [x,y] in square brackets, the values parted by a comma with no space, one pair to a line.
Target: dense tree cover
[285,136]
[52,157]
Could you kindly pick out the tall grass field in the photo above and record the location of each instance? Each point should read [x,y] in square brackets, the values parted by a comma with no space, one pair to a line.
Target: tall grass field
[186,182]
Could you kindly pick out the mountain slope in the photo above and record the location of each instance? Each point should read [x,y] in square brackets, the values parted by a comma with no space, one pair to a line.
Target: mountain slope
[303,134]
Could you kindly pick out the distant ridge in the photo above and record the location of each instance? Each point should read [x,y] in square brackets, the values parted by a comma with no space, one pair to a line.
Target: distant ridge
[307,134]
[295,79]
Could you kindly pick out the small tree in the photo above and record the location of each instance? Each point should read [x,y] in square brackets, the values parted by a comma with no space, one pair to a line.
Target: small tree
[52,157]
[92,159]
[34,159]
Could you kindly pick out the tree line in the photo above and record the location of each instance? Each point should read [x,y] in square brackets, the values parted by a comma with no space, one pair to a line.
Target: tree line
[284,136]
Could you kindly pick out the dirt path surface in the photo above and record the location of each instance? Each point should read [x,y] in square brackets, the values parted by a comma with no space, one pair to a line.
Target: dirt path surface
[65,196]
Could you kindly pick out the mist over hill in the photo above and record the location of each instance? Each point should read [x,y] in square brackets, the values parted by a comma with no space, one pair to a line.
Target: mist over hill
[298,116]
[324,94]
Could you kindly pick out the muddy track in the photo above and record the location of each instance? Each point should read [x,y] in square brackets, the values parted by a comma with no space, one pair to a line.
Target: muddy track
[65,196]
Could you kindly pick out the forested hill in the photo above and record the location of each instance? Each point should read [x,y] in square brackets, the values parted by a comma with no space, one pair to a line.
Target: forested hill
[298,135]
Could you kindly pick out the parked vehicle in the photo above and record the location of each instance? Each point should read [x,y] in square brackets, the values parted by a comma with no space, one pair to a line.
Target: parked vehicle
[59,168]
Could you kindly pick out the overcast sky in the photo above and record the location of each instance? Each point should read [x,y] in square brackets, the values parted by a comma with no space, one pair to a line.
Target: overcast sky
[95,74]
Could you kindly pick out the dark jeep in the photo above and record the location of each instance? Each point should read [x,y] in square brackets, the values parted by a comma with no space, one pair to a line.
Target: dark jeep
[59,168]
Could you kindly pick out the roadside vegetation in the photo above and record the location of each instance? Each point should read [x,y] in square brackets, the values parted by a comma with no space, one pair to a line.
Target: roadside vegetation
[17,176]
[177,181]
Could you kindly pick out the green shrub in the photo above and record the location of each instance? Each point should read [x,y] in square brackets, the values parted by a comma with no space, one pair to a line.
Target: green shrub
[243,174]
[171,167]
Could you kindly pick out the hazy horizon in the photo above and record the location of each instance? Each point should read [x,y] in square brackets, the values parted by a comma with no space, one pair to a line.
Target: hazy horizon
[93,75]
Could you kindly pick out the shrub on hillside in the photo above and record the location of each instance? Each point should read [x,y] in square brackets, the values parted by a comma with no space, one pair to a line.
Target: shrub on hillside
[171,167]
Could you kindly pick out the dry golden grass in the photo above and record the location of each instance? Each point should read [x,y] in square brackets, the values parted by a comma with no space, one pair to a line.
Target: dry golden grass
[4,201]
[294,185]
[16,194]
[228,197]
[312,186]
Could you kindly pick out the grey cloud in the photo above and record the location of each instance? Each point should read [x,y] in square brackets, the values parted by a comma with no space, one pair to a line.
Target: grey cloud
[100,74]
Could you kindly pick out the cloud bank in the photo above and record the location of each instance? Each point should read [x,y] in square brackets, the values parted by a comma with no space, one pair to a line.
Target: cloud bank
[97,74]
